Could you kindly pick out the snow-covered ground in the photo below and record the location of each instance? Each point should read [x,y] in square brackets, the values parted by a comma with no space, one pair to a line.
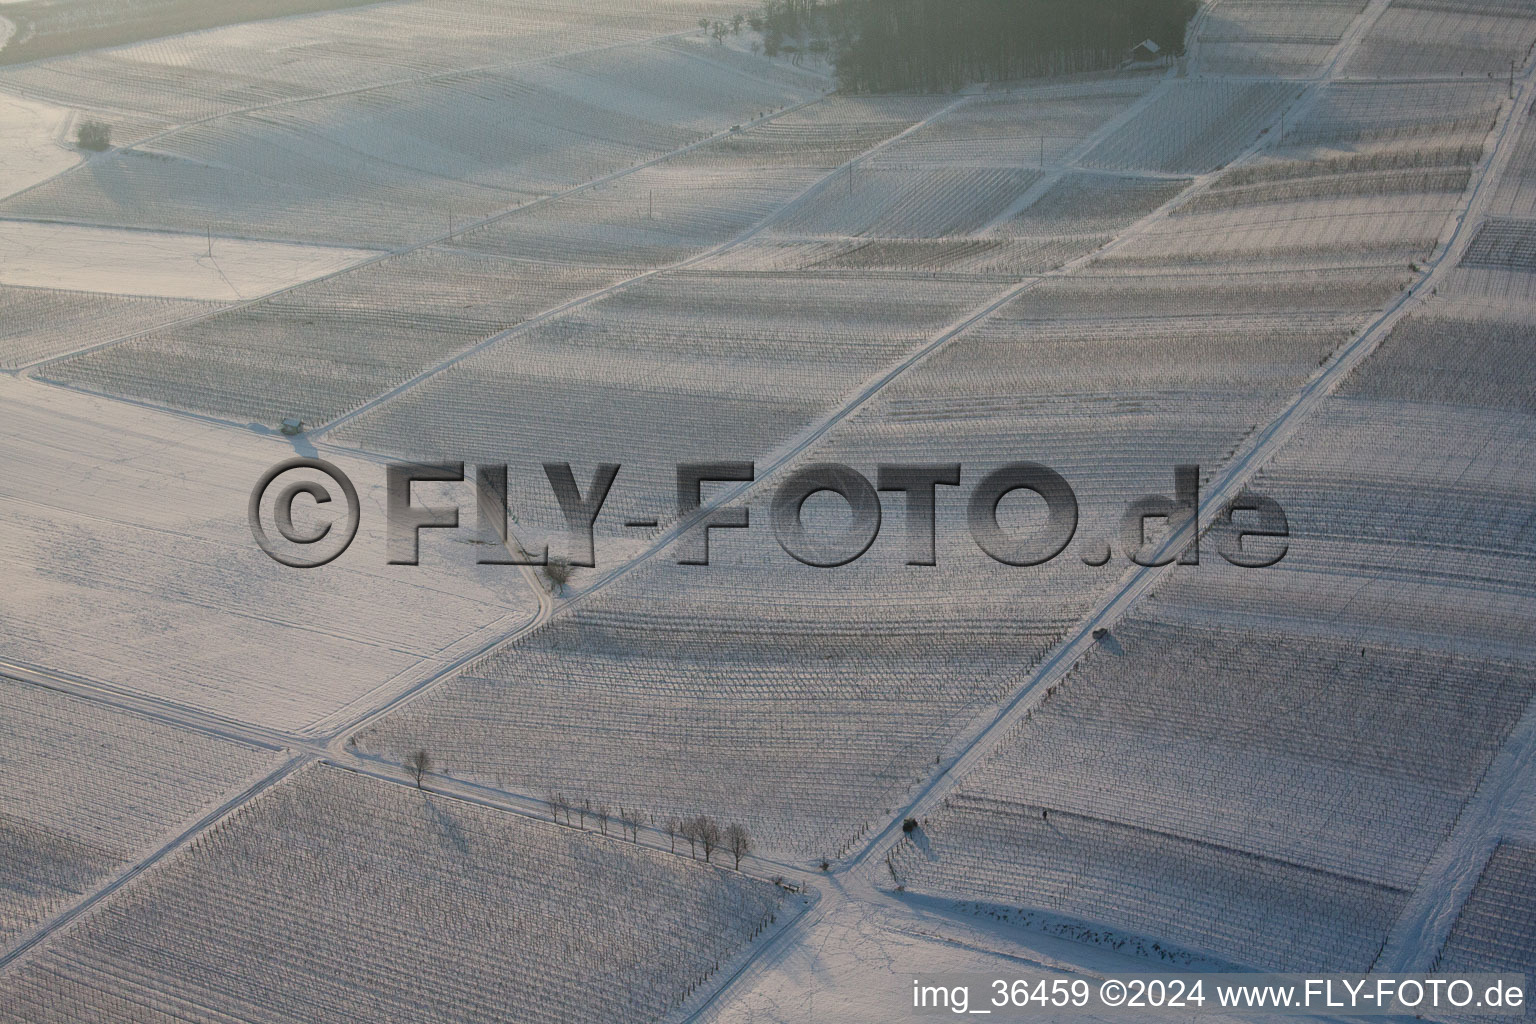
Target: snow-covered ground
[131,564]
[158,263]
[351,900]
[680,250]
[94,789]
[32,143]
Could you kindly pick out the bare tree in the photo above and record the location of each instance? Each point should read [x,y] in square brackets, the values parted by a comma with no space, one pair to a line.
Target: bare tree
[584,810]
[737,20]
[602,818]
[689,830]
[738,841]
[709,834]
[673,828]
[418,764]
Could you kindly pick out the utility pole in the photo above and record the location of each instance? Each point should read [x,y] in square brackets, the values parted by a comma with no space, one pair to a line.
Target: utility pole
[1042,152]
[210,241]
[850,181]
[1511,79]
[650,213]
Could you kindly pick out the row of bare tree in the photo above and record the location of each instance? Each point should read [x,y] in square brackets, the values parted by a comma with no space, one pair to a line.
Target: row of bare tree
[701,831]
[626,820]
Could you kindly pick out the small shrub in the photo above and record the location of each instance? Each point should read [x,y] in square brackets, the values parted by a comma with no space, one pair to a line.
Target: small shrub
[94,135]
[909,826]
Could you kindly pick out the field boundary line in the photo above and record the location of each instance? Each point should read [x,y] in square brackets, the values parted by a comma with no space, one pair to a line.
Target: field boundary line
[156,709]
[208,820]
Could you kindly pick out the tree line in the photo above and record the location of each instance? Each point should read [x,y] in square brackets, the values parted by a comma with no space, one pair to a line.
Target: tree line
[935,45]
[700,831]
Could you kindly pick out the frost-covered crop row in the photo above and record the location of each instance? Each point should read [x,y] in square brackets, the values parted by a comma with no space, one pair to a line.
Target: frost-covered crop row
[1079,204]
[1446,37]
[1425,166]
[1503,243]
[648,219]
[1272,37]
[1377,114]
[1147,881]
[909,202]
[298,355]
[36,323]
[1260,764]
[1007,129]
[202,74]
[1194,126]
[394,164]
[1496,930]
[337,898]
[90,789]
[682,367]
[825,134]
[1366,229]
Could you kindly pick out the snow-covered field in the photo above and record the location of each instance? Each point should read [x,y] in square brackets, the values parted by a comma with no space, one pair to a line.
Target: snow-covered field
[1299,744]
[603,237]
[350,900]
[1497,928]
[32,147]
[1044,376]
[92,790]
[684,367]
[157,263]
[1194,126]
[1289,38]
[40,323]
[1472,38]
[131,564]
[388,165]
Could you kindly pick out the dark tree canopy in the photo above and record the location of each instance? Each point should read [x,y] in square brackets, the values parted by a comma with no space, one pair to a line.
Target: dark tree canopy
[934,45]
